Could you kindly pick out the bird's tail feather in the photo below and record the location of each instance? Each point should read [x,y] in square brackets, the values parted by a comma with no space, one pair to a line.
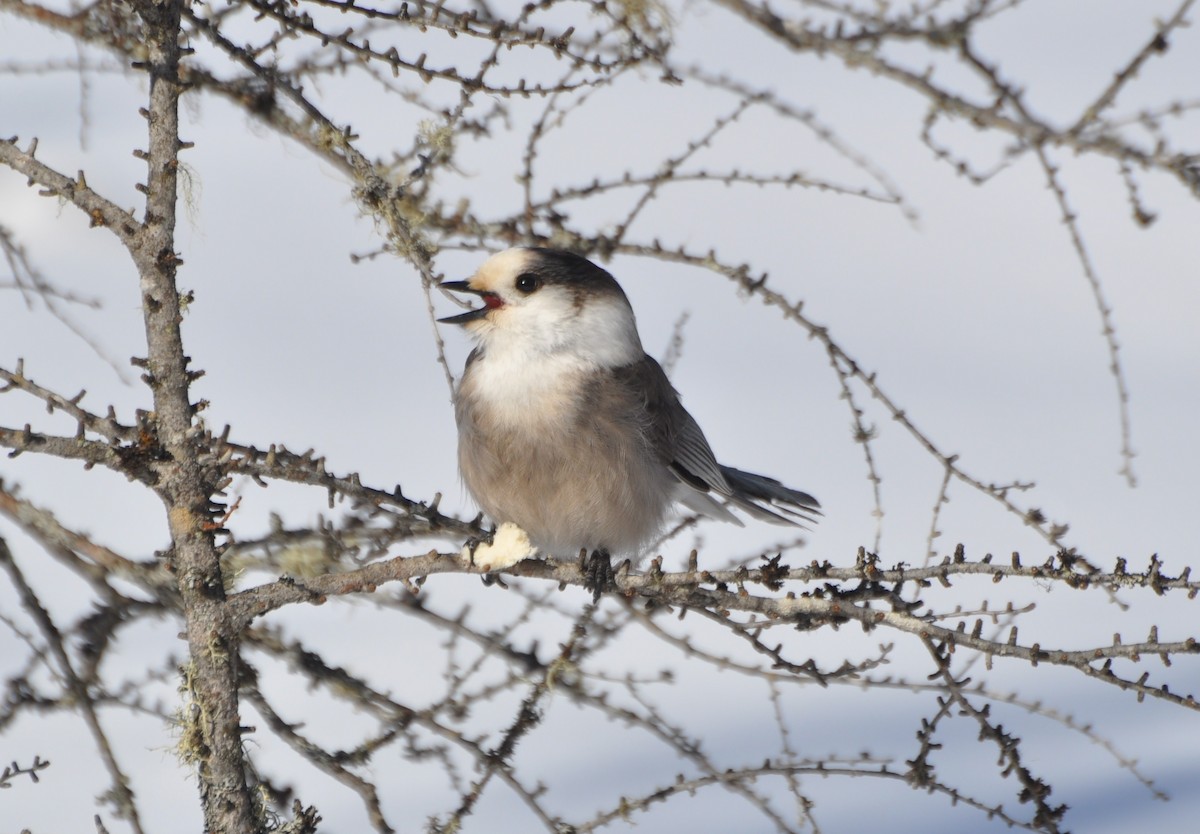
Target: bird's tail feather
[750,489]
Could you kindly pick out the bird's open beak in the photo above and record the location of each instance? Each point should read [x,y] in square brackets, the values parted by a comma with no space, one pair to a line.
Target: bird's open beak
[491,301]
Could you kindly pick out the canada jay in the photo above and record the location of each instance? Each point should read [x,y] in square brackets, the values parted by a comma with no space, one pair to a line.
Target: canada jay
[568,430]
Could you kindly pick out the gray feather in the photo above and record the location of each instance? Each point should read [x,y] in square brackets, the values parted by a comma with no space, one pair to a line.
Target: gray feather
[684,449]
[749,488]
[680,443]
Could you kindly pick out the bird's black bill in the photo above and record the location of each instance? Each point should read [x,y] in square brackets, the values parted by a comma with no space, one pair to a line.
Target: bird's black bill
[465,318]
[470,315]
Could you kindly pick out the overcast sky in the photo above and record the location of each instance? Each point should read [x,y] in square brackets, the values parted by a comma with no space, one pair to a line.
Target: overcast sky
[976,315]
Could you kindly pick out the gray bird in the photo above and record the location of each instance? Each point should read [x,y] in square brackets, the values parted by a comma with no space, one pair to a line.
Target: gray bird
[567,429]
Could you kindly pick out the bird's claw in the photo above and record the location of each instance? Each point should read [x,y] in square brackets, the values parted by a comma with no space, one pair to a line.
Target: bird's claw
[490,579]
[475,542]
[598,574]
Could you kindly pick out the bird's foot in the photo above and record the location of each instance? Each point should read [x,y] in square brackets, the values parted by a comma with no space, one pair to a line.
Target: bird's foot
[490,579]
[598,574]
[475,542]
[500,549]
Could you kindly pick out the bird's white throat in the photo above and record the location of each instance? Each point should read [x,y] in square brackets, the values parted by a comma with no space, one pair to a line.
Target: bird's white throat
[526,381]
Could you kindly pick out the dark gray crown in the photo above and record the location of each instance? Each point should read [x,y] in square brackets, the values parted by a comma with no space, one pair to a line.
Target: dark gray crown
[558,266]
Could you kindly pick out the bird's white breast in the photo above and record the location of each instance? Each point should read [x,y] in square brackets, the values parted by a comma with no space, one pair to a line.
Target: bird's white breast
[520,390]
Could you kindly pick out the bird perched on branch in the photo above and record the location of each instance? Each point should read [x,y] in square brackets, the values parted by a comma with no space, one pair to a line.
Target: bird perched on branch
[570,432]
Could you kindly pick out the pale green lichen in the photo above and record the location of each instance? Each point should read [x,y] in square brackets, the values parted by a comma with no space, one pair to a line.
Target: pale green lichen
[646,17]
[192,745]
[304,560]
[437,136]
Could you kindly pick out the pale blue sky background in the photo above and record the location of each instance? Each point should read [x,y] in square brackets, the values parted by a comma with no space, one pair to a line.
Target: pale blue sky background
[977,318]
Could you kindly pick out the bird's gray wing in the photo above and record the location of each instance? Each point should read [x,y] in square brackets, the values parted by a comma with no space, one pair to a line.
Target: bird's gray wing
[682,447]
[677,438]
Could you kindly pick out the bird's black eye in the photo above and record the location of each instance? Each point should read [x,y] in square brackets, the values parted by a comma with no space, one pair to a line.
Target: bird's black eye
[527,282]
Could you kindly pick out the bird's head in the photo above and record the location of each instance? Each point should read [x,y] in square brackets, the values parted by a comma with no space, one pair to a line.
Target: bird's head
[552,302]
